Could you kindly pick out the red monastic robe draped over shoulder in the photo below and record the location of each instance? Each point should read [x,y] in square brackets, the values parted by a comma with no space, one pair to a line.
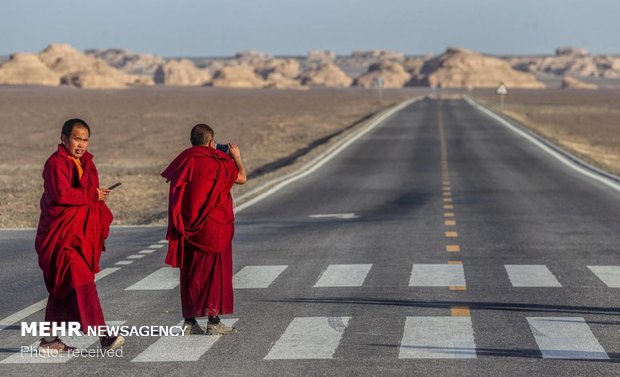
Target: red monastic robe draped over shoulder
[72,228]
[200,229]
[200,212]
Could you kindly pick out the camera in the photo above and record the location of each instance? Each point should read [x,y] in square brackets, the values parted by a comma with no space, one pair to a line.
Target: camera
[222,147]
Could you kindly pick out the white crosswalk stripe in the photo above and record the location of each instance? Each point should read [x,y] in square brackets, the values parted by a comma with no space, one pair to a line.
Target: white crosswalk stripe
[437,338]
[180,348]
[257,276]
[437,275]
[531,276]
[565,338]
[309,338]
[344,275]
[610,275]
[164,278]
[81,342]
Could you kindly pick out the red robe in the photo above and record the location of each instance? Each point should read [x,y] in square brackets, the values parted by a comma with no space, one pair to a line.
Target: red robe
[200,228]
[70,238]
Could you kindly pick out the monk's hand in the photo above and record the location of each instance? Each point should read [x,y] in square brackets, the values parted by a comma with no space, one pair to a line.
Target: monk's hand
[233,150]
[103,194]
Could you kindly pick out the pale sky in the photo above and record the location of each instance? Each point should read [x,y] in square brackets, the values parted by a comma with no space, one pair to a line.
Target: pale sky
[293,27]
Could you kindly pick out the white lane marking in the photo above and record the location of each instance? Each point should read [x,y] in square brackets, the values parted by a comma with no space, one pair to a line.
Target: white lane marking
[147,251]
[164,278]
[344,216]
[257,276]
[26,312]
[39,305]
[610,275]
[124,262]
[438,338]
[273,186]
[309,338]
[163,241]
[156,246]
[180,348]
[560,154]
[136,256]
[81,342]
[105,272]
[522,275]
[344,275]
[565,338]
[437,275]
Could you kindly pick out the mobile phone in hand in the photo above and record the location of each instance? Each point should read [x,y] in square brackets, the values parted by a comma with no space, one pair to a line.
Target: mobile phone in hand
[114,186]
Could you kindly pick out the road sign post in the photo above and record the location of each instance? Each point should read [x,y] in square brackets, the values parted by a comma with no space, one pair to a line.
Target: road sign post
[502,91]
[379,84]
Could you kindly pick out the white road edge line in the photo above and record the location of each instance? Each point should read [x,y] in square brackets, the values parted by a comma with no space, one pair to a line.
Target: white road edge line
[319,161]
[560,154]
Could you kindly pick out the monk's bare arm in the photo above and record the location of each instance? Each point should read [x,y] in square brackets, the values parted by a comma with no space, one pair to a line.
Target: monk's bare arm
[242,176]
[58,181]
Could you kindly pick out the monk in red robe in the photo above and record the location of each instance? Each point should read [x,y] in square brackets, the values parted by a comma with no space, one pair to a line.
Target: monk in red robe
[200,227]
[72,228]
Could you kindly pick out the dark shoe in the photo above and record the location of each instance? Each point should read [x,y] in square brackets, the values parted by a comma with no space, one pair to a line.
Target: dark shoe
[192,329]
[220,329]
[54,348]
[112,342]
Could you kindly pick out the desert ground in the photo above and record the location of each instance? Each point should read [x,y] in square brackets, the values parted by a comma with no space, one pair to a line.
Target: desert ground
[584,122]
[137,132]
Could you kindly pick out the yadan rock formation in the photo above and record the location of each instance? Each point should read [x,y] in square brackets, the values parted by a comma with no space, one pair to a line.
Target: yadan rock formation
[461,68]
[572,83]
[238,76]
[393,75]
[27,69]
[181,73]
[570,61]
[325,74]
[77,69]
[320,56]
[127,61]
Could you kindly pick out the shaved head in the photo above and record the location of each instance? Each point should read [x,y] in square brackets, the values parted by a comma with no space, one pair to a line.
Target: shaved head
[201,134]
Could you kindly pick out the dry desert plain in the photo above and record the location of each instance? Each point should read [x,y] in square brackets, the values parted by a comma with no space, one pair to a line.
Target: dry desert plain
[136,133]
[584,122]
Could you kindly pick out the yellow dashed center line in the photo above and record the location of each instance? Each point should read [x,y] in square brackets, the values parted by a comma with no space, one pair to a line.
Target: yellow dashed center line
[460,311]
[458,288]
[450,223]
[452,234]
[453,248]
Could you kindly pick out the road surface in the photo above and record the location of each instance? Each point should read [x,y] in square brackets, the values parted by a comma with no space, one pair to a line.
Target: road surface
[441,243]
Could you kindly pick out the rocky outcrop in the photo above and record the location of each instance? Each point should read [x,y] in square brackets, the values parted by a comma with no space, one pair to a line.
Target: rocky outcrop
[378,55]
[570,61]
[414,65]
[461,68]
[238,76]
[325,74]
[572,83]
[181,73]
[251,57]
[127,61]
[77,69]
[391,73]
[286,67]
[27,69]
[320,56]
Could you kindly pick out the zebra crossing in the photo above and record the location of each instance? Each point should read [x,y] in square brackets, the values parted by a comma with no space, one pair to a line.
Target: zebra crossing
[354,275]
[316,338]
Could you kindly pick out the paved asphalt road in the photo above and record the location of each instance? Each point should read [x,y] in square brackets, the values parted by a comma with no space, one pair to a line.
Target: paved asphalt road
[347,271]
